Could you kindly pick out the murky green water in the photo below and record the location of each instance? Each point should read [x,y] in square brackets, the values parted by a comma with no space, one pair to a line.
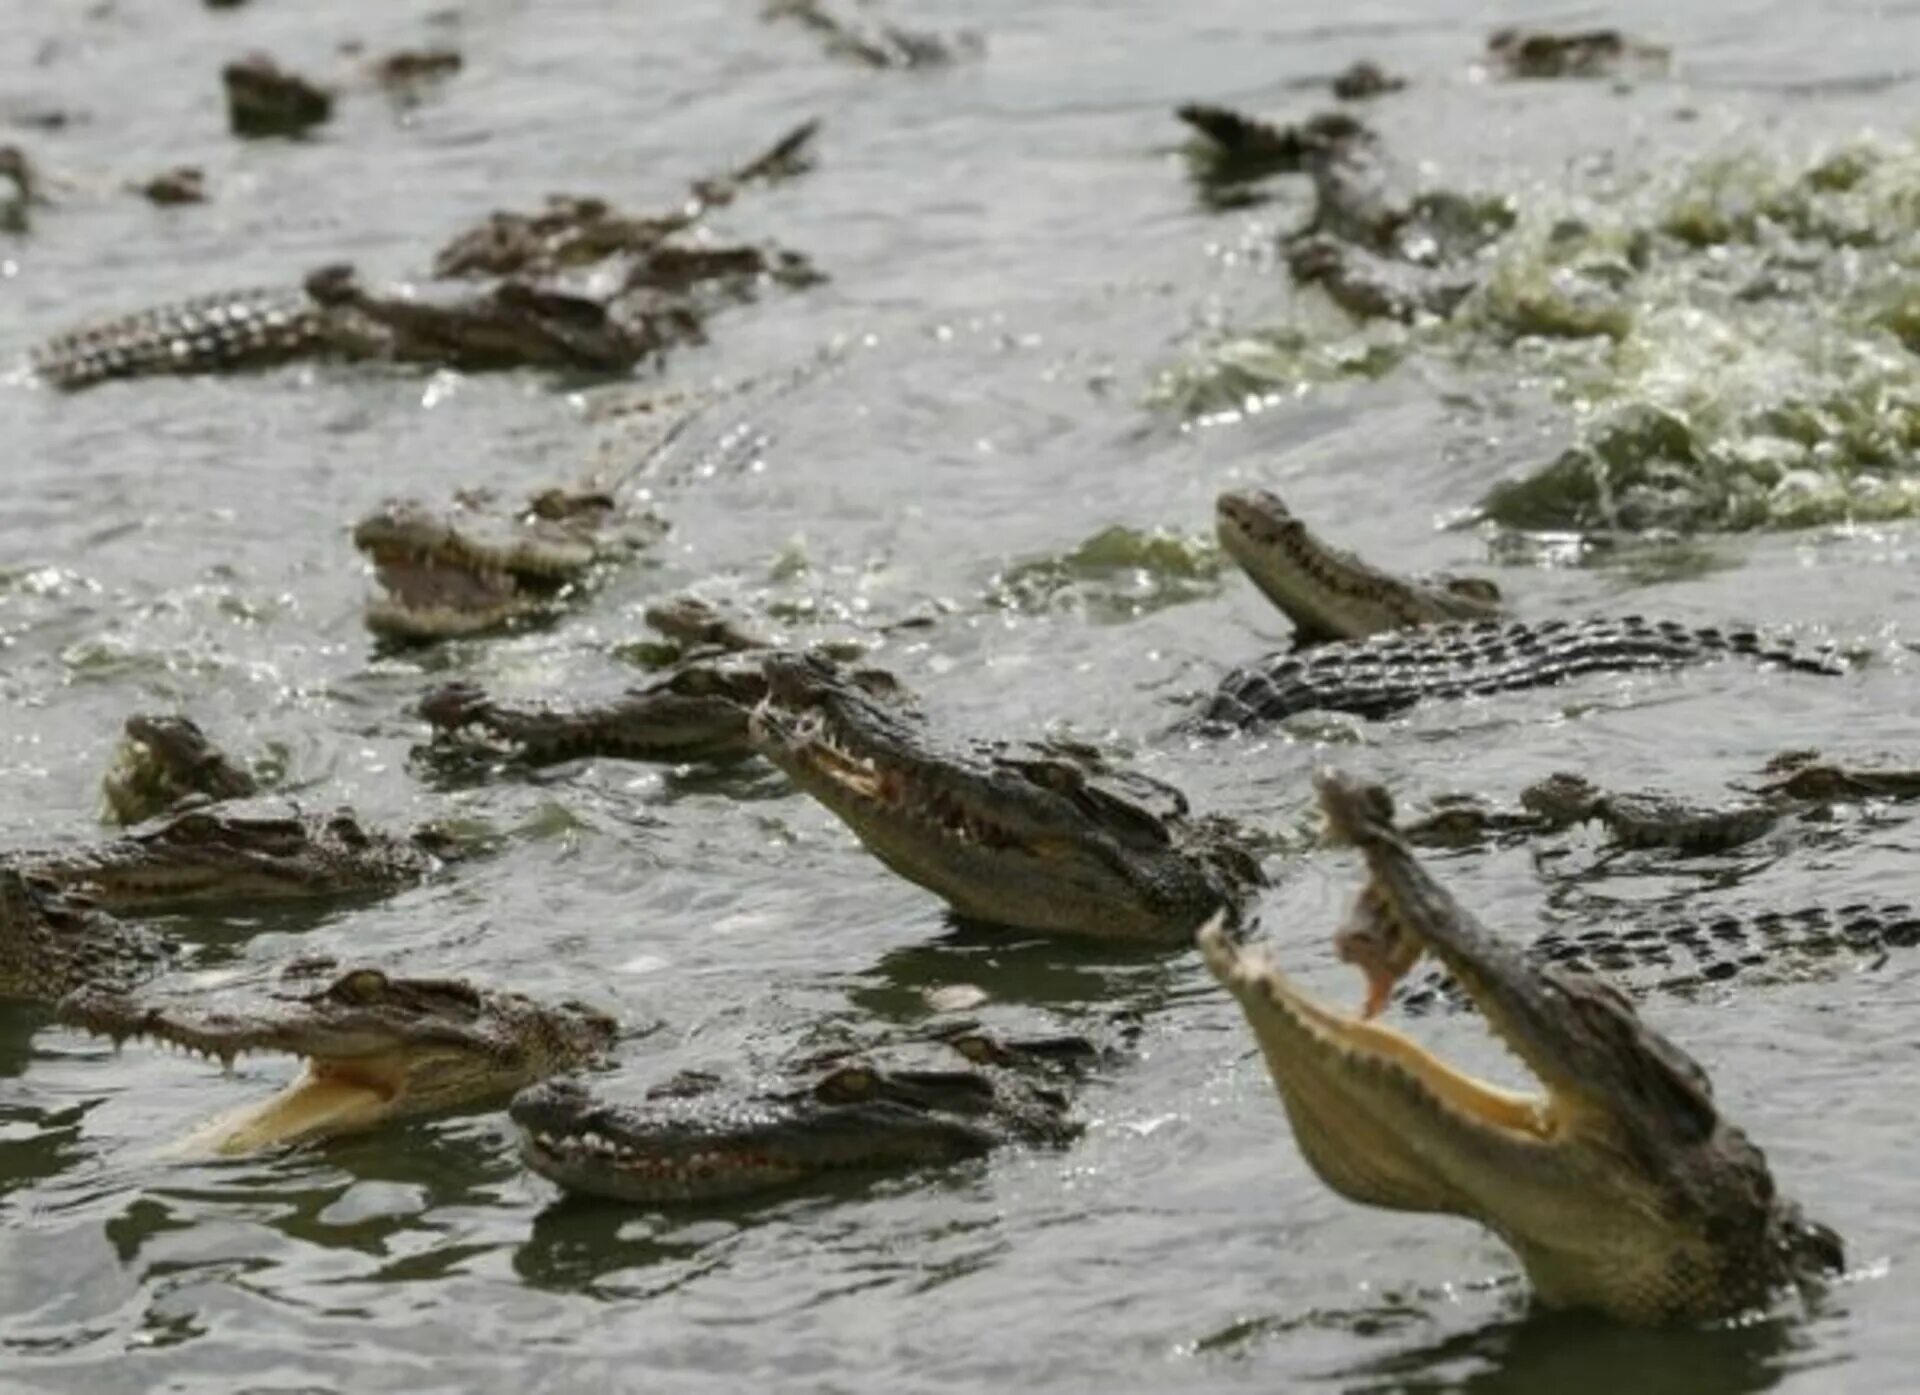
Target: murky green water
[1017,257]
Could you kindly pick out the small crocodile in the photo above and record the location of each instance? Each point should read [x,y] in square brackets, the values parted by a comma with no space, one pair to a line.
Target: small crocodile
[1619,1186]
[1046,837]
[1329,593]
[264,99]
[697,711]
[165,762]
[238,852]
[858,1114]
[474,567]
[376,1047]
[1539,53]
[1387,673]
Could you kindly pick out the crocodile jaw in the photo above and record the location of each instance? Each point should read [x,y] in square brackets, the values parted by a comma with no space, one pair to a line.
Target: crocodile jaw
[321,1101]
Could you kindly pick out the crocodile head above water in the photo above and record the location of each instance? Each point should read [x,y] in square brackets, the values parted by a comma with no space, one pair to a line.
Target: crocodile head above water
[241,854]
[164,761]
[1329,593]
[52,942]
[1619,1185]
[1046,839]
[859,1116]
[473,568]
[376,1047]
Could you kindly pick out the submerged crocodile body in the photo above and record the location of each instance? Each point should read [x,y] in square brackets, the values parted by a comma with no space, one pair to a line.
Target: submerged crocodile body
[238,853]
[1388,673]
[375,1047]
[1620,1186]
[1042,838]
[859,1115]
[476,567]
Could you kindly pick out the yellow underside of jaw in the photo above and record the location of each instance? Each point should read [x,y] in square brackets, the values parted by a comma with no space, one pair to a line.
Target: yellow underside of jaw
[321,1101]
[1267,991]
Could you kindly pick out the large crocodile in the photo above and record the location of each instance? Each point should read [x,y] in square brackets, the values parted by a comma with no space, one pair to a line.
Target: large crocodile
[476,567]
[1045,838]
[1620,1186]
[1387,673]
[859,1114]
[238,852]
[1330,593]
[376,1047]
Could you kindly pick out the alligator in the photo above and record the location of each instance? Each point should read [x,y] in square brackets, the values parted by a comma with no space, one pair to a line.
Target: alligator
[1539,53]
[238,853]
[1387,673]
[376,1047]
[698,710]
[473,568]
[1044,837]
[1619,1186]
[1329,593]
[1800,784]
[166,763]
[850,1114]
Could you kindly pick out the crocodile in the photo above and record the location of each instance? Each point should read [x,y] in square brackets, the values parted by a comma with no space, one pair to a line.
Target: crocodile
[376,1047]
[473,567]
[239,852]
[699,710]
[1387,673]
[1045,837]
[858,1114]
[1540,53]
[872,45]
[264,99]
[164,763]
[1333,594]
[1800,784]
[1619,1186]
[17,170]
[54,941]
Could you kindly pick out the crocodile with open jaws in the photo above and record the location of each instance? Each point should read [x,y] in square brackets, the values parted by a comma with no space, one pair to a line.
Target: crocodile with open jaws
[376,1047]
[476,567]
[1383,668]
[1043,837]
[1620,1186]
[848,1114]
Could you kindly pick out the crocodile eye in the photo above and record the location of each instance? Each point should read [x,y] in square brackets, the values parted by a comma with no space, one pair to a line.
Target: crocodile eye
[198,828]
[976,1047]
[694,682]
[848,1085]
[361,986]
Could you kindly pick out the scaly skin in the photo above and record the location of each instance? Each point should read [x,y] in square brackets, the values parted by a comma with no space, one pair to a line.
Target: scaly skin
[474,567]
[1388,673]
[237,853]
[859,1116]
[53,942]
[1620,1186]
[225,333]
[164,762]
[1049,840]
[1329,593]
[377,1048]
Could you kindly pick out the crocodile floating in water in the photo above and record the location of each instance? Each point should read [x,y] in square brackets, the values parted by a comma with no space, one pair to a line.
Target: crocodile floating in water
[1540,53]
[873,45]
[1043,838]
[376,1047]
[1329,593]
[697,711]
[856,1114]
[1798,784]
[1387,673]
[165,762]
[238,852]
[475,567]
[1620,1186]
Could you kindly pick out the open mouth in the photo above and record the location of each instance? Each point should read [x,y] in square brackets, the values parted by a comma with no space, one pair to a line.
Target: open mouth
[327,1097]
[432,591]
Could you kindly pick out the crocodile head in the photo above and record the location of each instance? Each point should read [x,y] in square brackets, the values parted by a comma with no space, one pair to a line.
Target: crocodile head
[375,1047]
[1328,593]
[1046,841]
[468,569]
[1618,1183]
[858,1117]
[163,762]
[235,854]
[52,942]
